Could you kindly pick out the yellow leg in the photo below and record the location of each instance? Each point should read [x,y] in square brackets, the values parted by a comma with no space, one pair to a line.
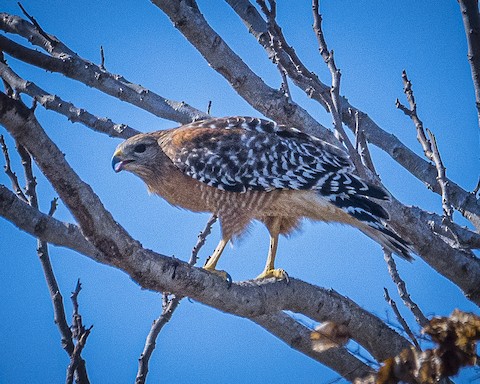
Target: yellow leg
[212,261]
[270,271]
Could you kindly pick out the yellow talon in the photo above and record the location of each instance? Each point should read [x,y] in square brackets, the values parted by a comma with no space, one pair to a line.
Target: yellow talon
[279,274]
[217,272]
[224,275]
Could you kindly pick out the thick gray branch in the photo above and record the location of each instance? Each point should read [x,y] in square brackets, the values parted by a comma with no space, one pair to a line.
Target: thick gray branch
[43,226]
[298,336]
[161,273]
[459,266]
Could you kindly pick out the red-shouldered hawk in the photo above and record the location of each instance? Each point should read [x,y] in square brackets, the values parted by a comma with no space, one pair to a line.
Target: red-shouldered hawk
[244,169]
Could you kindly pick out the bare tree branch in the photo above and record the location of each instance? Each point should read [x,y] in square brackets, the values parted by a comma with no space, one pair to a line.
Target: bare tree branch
[449,261]
[471,23]
[402,290]
[297,336]
[37,26]
[361,145]
[43,226]
[92,75]
[202,237]
[80,333]
[150,342]
[401,320]
[43,255]
[55,103]
[168,309]
[79,368]
[102,59]
[442,178]
[335,105]
[430,148]
[8,170]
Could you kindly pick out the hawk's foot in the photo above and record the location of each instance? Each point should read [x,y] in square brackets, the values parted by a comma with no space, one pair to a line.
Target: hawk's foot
[224,275]
[279,274]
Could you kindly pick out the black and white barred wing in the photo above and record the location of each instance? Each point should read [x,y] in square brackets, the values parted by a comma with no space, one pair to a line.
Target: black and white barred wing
[242,154]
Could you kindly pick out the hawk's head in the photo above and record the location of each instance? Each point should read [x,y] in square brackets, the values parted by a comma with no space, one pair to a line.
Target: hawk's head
[136,154]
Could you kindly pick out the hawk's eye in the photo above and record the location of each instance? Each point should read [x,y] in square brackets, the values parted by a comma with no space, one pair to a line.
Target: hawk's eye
[140,148]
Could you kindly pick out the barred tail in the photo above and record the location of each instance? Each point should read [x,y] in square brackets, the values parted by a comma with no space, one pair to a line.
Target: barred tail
[372,219]
[388,239]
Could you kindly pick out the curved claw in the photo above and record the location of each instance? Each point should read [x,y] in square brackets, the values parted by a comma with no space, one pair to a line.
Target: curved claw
[279,274]
[229,280]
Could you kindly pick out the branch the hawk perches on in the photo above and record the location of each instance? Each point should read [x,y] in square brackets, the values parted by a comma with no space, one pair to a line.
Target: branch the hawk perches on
[244,169]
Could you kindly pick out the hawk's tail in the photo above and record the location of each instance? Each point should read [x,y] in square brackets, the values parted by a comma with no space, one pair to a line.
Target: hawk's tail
[388,239]
[372,216]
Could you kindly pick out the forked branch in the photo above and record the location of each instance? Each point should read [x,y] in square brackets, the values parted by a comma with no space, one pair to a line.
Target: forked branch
[430,148]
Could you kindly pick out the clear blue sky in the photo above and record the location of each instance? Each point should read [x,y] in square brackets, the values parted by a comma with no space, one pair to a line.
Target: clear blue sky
[372,44]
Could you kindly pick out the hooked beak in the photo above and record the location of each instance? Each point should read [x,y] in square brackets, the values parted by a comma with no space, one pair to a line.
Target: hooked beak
[118,164]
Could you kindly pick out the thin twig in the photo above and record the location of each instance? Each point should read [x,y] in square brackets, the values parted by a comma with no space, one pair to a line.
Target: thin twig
[202,236]
[361,145]
[78,368]
[37,26]
[30,179]
[77,325]
[402,290]
[430,148]
[168,308]
[11,175]
[53,206]
[80,333]
[442,177]
[402,321]
[477,188]
[335,106]
[412,113]
[276,41]
[102,58]
[150,342]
